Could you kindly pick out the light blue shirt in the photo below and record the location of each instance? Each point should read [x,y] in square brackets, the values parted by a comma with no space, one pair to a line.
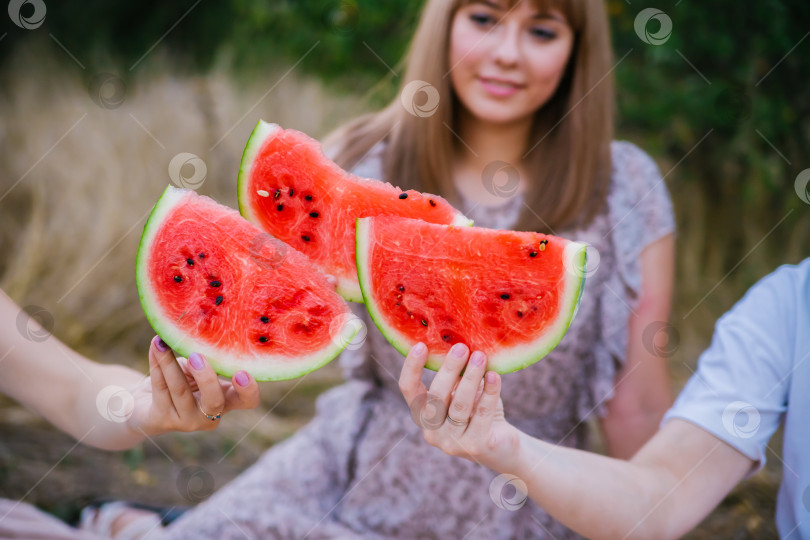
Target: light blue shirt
[756,374]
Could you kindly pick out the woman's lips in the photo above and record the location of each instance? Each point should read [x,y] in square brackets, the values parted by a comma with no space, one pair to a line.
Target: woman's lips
[500,87]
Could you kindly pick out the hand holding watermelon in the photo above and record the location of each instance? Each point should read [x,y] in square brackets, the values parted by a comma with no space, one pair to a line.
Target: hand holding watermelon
[462,415]
[177,392]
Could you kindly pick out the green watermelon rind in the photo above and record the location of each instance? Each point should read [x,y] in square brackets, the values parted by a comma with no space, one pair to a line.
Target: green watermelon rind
[224,363]
[506,360]
[349,289]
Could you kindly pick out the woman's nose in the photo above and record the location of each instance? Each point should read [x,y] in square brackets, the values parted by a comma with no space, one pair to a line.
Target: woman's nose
[506,46]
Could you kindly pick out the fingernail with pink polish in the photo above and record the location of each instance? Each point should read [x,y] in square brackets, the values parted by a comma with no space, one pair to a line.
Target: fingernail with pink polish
[196,360]
[477,358]
[419,349]
[241,378]
[160,344]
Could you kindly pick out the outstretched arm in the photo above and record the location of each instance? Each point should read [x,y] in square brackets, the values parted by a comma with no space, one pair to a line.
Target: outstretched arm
[666,489]
[107,405]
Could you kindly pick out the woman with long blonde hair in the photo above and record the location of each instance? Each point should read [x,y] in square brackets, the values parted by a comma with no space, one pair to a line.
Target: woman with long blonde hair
[506,110]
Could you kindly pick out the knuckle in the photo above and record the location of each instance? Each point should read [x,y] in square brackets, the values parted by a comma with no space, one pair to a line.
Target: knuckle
[459,406]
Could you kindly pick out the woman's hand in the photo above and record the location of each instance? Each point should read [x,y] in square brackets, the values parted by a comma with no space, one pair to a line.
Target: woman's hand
[177,392]
[461,415]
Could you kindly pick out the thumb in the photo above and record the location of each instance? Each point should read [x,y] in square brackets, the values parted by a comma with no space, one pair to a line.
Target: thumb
[243,393]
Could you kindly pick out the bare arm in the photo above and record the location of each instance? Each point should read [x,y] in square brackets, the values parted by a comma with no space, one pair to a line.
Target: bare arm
[642,391]
[665,490]
[671,484]
[109,406]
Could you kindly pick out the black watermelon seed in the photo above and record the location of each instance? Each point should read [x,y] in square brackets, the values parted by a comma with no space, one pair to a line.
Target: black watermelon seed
[215,283]
[178,279]
[533,254]
[403,195]
[424,322]
[277,194]
[202,255]
[397,303]
[432,202]
[264,339]
[401,288]
[291,192]
[280,207]
[505,296]
[520,314]
[308,197]
[305,238]
[446,337]
[264,319]
[313,214]
[219,300]
[190,262]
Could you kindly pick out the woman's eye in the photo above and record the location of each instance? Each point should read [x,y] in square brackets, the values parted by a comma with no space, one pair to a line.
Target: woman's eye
[543,33]
[482,19]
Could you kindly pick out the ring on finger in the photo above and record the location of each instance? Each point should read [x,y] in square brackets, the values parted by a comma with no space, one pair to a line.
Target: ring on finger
[457,422]
[211,417]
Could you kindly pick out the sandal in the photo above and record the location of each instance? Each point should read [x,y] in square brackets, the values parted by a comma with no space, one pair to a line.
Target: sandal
[100,516]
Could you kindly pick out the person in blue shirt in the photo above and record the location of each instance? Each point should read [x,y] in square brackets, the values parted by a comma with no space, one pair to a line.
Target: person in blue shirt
[753,377]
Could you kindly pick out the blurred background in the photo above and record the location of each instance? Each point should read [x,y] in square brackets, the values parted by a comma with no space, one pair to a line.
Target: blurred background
[97,97]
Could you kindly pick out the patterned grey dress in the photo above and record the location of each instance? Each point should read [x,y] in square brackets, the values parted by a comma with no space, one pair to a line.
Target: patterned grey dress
[361,467]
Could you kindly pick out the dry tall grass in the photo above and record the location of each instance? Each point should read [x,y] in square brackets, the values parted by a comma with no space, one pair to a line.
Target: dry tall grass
[77,180]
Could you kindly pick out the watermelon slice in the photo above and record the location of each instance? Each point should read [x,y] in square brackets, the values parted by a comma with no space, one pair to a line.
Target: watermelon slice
[289,188]
[211,282]
[509,294]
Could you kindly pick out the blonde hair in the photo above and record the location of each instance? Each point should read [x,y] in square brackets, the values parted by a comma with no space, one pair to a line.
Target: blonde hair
[568,151]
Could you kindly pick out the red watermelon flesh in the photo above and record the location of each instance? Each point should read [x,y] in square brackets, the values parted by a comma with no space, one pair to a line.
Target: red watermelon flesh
[289,188]
[212,282]
[509,294]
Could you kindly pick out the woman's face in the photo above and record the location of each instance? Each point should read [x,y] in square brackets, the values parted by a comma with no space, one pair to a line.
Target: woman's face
[505,63]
